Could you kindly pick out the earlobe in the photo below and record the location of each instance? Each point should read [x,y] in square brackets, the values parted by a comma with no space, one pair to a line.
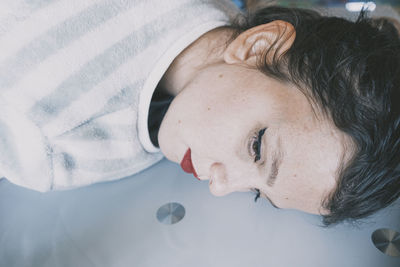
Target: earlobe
[278,36]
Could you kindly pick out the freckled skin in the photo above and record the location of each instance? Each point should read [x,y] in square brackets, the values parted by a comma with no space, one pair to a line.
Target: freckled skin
[241,101]
[237,108]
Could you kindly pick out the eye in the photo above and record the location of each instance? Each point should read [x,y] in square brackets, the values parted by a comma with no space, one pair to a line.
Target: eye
[255,145]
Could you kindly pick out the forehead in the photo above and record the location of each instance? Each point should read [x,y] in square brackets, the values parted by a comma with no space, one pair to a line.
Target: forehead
[313,155]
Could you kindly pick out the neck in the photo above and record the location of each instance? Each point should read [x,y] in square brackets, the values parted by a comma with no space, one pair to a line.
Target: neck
[205,51]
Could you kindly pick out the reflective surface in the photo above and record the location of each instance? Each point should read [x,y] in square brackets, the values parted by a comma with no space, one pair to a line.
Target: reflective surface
[115,224]
[387,241]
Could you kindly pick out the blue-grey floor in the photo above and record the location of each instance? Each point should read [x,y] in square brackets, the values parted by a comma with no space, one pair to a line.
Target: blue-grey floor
[115,224]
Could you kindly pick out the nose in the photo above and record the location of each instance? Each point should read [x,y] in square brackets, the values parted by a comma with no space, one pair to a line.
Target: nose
[219,183]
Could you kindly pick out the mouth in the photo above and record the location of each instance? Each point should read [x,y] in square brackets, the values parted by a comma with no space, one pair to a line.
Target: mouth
[187,165]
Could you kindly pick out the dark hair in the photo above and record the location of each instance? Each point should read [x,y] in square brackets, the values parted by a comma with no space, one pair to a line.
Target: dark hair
[351,71]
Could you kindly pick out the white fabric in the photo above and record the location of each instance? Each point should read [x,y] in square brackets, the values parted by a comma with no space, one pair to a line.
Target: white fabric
[76,80]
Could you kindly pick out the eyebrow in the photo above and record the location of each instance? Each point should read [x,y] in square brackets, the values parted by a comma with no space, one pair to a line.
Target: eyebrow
[277,158]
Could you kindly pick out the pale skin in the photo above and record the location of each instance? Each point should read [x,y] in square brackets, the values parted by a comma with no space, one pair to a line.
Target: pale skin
[222,103]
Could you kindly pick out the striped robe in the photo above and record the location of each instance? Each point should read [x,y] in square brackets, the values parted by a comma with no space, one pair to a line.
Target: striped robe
[76,80]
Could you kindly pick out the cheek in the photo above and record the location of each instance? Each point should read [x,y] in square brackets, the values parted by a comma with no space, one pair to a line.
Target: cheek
[197,121]
[171,128]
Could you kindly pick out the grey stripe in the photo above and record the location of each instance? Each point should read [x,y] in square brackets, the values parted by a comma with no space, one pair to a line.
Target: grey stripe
[103,66]
[36,4]
[112,165]
[69,166]
[13,69]
[121,100]
[93,131]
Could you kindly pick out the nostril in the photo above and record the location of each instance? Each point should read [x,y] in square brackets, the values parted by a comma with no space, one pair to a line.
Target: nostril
[218,181]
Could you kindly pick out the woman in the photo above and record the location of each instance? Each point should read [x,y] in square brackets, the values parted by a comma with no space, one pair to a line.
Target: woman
[290,104]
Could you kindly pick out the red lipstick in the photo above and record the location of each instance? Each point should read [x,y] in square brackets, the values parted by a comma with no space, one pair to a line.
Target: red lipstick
[187,165]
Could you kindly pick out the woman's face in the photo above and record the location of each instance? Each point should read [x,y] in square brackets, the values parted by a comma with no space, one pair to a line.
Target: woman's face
[220,116]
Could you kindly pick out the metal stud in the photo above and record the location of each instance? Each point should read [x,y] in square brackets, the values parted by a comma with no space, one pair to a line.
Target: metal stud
[170,213]
[387,241]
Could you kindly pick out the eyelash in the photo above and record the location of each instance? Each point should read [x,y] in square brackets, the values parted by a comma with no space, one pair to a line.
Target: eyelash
[255,150]
[258,194]
[255,145]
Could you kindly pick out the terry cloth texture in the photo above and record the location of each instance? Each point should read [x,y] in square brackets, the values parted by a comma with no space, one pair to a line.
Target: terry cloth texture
[76,81]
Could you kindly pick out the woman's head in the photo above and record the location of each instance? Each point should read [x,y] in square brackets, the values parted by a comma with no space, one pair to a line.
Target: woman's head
[301,98]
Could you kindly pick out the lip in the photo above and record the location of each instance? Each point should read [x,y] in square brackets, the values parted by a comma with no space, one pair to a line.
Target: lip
[187,165]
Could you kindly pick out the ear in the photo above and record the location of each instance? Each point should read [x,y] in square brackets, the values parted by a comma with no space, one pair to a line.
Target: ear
[277,35]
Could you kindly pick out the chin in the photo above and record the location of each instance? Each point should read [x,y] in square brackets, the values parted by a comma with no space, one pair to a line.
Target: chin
[170,158]
[166,147]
